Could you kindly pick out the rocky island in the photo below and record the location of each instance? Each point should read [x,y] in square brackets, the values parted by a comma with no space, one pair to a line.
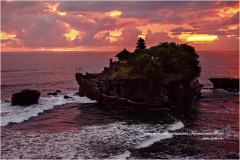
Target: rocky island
[225,83]
[163,75]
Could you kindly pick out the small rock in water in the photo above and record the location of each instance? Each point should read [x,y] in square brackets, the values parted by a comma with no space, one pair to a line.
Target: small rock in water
[25,97]
[66,97]
[57,91]
[52,93]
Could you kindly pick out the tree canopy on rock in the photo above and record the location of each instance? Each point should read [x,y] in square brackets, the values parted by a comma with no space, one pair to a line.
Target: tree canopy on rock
[162,59]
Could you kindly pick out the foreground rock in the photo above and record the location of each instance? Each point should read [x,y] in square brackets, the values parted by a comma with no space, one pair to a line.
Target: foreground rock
[25,97]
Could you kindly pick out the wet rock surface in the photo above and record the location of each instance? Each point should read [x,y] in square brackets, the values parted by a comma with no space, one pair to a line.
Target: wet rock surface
[25,97]
[225,83]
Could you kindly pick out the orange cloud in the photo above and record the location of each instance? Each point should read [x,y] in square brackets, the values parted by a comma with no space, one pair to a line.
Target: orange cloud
[4,35]
[197,37]
[222,43]
[114,13]
[72,34]
[108,25]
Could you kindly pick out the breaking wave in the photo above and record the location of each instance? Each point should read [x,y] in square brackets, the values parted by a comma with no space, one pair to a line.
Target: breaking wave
[18,114]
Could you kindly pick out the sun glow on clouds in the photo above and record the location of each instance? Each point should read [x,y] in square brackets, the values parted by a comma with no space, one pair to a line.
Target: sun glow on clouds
[61,13]
[53,8]
[112,39]
[72,34]
[4,35]
[143,35]
[114,13]
[115,33]
[228,12]
[197,38]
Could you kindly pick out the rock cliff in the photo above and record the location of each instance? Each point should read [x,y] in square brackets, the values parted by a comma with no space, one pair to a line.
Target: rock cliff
[112,88]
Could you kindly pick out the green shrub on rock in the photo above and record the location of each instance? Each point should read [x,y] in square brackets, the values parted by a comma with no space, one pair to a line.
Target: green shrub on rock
[162,59]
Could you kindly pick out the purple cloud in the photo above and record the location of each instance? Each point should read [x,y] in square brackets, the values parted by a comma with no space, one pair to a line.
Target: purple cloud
[155,38]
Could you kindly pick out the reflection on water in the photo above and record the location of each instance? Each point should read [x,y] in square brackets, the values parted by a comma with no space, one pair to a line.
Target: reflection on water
[47,71]
[218,64]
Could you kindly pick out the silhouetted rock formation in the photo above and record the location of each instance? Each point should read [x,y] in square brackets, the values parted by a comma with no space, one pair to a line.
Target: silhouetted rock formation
[225,83]
[54,93]
[147,77]
[25,97]
[131,89]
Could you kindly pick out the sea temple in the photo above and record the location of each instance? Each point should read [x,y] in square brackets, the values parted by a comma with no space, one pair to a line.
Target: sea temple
[154,77]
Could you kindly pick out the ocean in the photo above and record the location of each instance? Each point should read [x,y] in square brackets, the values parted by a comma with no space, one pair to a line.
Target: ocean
[80,128]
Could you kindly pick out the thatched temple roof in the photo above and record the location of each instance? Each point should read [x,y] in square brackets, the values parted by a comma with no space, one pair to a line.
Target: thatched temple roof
[123,54]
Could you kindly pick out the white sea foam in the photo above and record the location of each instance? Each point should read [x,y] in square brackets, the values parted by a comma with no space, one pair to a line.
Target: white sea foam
[175,126]
[86,143]
[89,142]
[154,139]
[125,155]
[225,91]
[18,114]
[160,136]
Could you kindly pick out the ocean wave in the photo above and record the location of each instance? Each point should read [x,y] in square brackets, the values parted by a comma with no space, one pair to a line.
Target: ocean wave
[158,137]
[229,92]
[111,141]
[18,114]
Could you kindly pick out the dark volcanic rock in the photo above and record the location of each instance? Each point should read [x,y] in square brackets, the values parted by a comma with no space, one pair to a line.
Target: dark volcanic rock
[54,94]
[66,97]
[111,88]
[25,97]
[225,83]
[123,90]
[57,91]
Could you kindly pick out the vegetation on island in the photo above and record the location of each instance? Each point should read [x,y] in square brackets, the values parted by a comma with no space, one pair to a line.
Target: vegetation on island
[162,59]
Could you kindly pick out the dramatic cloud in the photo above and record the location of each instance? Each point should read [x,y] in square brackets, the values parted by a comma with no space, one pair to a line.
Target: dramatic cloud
[129,37]
[144,6]
[6,40]
[155,38]
[223,43]
[14,44]
[107,24]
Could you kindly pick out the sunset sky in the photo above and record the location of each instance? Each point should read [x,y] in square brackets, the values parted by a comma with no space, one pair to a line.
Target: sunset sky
[114,25]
